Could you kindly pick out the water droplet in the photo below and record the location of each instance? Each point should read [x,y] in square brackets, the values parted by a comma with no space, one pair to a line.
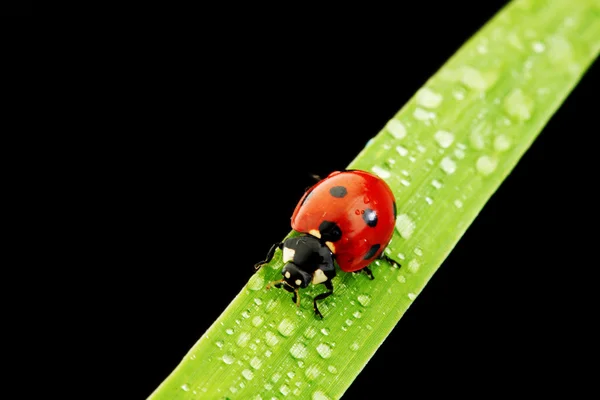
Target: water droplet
[458,94]
[559,50]
[404,182]
[291,374]
[245,314]
[412,296]
[257,321]
[268,353]
[318,395]
[243,339]
[444,138]
[396,128]
[364,299]
[325,331]
[228,358]
[271,304]
[448,165]
[401,256]
[423,115]
[502,143]
[286,327]
[232,389]
[472,78]
[460,154]
[402,150]
[458,203]
[219,343]
[381,172]
[405,226]
[428,98]
[324,350]
[349,322]
[193,357]
[413,266]
[301,363]
[486,165]
[268,386]
[312,372]
[538,47]
[229,331]
[418,251]
[436,184]
[310,332]
[256,282]
[369,327]
[271,338]
[482,49]
[185,387]
[257,397]
[248,374]
[284,390]
[257,301]
[255,363]
[429,200]
[401,279]
[298,350]
[355,346]
[518,105]
[332,369]
[357,314]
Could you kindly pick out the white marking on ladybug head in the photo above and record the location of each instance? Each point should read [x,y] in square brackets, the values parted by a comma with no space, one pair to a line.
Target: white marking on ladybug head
[287,274]
[288,255]
[319,276]
[298,282]
[315,233]
[331,246]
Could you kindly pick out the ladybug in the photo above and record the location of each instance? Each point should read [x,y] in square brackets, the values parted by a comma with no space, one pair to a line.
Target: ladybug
[346,219]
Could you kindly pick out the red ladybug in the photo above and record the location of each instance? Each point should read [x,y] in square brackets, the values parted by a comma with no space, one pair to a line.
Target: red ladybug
[347,218]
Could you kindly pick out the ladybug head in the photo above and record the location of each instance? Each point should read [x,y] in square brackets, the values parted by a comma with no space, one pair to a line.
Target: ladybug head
[294,277]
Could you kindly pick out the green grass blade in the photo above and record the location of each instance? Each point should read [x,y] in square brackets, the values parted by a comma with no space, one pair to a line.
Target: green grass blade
[444,154]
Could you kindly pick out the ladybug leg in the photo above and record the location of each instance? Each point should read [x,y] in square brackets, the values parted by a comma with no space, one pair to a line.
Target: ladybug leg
[368,272]
[329,287]
[270,255]
[388,259]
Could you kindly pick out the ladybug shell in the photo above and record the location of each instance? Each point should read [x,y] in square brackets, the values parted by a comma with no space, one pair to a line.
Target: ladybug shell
[353,211]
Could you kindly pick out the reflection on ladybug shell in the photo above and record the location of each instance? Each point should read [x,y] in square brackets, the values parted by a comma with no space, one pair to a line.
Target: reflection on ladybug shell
[353,212]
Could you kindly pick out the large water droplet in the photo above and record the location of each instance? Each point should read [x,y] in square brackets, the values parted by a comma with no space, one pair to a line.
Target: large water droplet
[286,327]
[412,296]
[324,350]
[325,331]
[502,143]
[284,390]
[248,374]
[255,363]
[298,350]
[396,128]
[436,184]
[381,172]
[243,339]
[364,299]
[405,226]
[428,98]
[402,151]
[310,332]
[228,358]
[486,165]
[319,395]
[229,331]
[423,115]
[413,266]
[256,282]
[448,165]
[185,387]
[275,377]
[312,372]
[518,105]
[444,138]
[257,321]
[271,338]
[357,314]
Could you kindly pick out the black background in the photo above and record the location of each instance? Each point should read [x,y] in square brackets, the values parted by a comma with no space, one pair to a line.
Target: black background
[206,143]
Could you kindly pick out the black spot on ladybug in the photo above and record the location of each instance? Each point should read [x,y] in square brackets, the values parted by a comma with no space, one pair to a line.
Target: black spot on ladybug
[372,251]
[370,217]
[330,231]
[395,211]
[338,191]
